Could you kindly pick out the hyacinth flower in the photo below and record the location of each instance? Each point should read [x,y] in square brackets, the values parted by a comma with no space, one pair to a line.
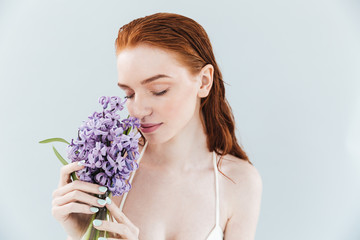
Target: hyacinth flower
[108,148]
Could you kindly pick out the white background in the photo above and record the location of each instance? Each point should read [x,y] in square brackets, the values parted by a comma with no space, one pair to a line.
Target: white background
[293,69]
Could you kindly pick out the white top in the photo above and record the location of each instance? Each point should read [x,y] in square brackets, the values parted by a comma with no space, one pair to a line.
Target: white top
[216,233]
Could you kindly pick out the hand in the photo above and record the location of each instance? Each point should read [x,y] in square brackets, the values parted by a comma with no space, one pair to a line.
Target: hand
[122,229]
[72,202]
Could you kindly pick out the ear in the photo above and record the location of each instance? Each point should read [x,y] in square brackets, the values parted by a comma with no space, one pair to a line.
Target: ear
[206,79]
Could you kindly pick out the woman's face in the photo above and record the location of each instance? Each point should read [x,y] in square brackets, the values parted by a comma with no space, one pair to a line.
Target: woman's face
[160,91]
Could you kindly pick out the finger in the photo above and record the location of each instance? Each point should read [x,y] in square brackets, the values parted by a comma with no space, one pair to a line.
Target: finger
[78,196]
[80,185]
[119,216]
[103,238]
[117,228]
[62,212]
[66,170]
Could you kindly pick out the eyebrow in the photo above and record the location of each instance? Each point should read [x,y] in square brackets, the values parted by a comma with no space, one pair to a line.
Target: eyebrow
[148,80]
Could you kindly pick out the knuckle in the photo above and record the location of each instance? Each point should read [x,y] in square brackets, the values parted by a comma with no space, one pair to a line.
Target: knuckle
[126,230]
[63,170]
[53,212]
[74,194]
[53,202]
[71,207]
[54,193]
[74,184]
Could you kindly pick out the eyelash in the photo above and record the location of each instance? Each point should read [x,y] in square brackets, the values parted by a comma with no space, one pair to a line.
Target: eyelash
[156,94]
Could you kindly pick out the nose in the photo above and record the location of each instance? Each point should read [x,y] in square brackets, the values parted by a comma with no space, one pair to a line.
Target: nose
[139,107]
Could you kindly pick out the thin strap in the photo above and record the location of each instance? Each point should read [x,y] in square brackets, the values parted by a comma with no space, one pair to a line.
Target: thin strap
[132,175]
[217,189]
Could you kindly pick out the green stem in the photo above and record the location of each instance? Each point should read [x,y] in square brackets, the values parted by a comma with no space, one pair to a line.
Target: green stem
[88,230]
[102,214]
[54,140]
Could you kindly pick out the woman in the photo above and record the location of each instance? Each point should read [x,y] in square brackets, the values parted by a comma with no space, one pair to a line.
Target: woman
[172,83]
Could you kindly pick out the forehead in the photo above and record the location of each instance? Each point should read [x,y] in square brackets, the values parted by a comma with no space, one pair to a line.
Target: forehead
[144,61]
[146,57]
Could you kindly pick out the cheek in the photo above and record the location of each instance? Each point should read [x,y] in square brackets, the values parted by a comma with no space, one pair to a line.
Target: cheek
[181,106]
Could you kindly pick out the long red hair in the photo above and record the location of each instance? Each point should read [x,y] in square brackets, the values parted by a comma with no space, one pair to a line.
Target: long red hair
[190,43]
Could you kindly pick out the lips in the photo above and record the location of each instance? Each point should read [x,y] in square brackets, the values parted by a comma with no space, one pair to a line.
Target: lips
[149,127]
[144,125]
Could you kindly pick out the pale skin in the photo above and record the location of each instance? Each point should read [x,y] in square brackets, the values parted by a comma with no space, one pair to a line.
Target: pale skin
[173,191]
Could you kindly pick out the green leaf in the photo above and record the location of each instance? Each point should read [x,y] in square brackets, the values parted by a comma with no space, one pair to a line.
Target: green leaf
[54,140]
[62,160]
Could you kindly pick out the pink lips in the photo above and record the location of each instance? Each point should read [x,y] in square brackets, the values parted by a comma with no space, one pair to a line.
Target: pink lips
[149,127]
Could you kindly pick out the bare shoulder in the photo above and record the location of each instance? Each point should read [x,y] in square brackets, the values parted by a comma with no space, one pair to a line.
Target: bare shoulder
[243,193]
[243,174]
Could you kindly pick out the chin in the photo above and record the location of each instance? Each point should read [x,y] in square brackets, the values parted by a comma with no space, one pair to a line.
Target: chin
[155,139]
[158,138]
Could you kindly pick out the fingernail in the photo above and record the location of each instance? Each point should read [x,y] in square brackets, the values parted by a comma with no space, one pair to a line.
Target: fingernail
[108,200]
[101,201]
[81,163]
[97,222]
[102,189]
[102,238]
[94,209]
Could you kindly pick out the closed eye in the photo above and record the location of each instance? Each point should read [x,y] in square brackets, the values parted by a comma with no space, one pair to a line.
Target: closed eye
[155,93]
[160,93]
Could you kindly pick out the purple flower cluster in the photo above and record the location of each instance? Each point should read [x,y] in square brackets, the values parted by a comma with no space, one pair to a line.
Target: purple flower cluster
[109,147]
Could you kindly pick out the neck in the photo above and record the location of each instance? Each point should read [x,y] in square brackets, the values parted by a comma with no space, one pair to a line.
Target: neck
[184,153]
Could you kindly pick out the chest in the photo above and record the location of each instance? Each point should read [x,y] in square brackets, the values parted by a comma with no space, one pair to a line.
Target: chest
[165,207]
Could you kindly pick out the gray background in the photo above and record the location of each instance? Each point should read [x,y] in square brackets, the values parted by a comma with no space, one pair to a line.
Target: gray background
[294,83]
